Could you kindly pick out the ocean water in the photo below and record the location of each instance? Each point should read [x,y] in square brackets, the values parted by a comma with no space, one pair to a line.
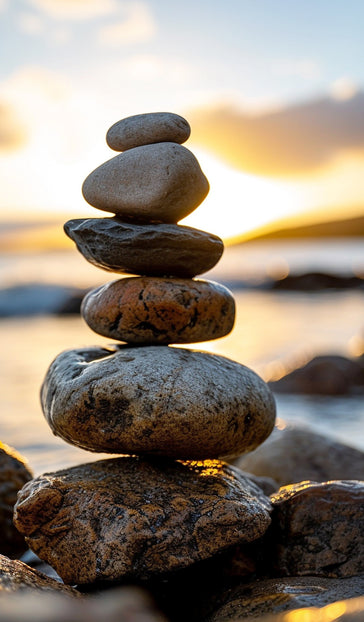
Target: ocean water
[274,331]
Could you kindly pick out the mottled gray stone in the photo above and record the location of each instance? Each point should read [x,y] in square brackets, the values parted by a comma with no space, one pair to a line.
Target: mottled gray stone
[155,310]
[152,249]
[160,183]
[294,453]
[158,400]
[134,517]
[318,529]
[145,129]
[250,601]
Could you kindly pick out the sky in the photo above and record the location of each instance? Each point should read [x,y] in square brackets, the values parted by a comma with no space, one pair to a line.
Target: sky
[272,90]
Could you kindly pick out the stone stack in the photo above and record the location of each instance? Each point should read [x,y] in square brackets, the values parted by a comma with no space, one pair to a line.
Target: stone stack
[175,412]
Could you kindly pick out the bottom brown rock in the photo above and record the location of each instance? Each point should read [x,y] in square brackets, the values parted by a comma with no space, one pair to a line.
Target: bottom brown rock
[134,517]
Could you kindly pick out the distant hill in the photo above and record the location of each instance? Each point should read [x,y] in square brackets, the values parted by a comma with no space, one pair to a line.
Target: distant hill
[288,229]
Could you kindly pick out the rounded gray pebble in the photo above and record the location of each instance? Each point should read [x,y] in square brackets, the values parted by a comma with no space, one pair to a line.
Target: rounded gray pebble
[145,129]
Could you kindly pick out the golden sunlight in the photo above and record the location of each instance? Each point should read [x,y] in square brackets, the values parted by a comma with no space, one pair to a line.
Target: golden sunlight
[239,202]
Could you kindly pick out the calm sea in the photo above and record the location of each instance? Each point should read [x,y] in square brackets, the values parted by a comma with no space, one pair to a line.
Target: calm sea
[273,332]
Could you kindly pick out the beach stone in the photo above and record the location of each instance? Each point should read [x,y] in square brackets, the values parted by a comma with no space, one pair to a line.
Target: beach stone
[324,375]
[145,129]
[126,604]
[160,183]
[135,517]
[155,310]
[152,249]
[270,597]
[318,529]
[16,576]
[173,402]
[294,453]
[14,473]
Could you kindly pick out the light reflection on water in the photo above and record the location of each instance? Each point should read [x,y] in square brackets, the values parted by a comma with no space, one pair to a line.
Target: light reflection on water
[271,328]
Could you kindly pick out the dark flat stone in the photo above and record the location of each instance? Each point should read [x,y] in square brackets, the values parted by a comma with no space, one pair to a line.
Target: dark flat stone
[153,250]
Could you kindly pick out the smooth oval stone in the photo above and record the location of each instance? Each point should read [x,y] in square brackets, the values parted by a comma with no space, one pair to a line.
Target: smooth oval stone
[161,183]
[144,310]
[156,400]
[145,129]
[130,517]
[152,249]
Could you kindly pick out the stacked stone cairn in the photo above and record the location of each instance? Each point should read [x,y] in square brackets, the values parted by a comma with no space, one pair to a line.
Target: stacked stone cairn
[170,413]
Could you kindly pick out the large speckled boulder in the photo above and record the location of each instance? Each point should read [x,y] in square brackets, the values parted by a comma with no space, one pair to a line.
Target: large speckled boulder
[16,576]
[131,517]
[318,529]
[125,604]
[294,453]
[14,473]
[148,249]
[161,182]
[159,400]
[250,601]
[148,128]
[155,310]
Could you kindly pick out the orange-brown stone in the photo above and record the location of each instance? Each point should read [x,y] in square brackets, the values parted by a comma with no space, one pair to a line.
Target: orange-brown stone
[160,310]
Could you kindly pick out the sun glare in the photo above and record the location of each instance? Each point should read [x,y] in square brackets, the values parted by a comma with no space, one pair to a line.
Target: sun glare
[239,202]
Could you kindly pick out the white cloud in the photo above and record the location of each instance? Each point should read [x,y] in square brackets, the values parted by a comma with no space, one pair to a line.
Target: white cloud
[305,68]
[3,5]
[136,26]
[30,23]
[149,68]
[75,9]
[344,88]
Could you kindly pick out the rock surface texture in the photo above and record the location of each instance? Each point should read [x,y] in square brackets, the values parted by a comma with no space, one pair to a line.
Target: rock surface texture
[273,596]
[294,454]
[172,402]
[161,182]
[154,310]
[136,517]
[149,249]
[16,576]
[14,473]
[318,529]
[145,129]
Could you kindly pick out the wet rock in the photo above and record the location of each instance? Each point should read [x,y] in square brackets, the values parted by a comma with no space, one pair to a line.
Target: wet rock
[145,129]
[324,375]
[118,605]
[294,454]
[161,183]
[14,473]
[130,517]
[155,399]
[316,281]
[155,310]
[273,596]
[318,530]
[16,576]
[152,249]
